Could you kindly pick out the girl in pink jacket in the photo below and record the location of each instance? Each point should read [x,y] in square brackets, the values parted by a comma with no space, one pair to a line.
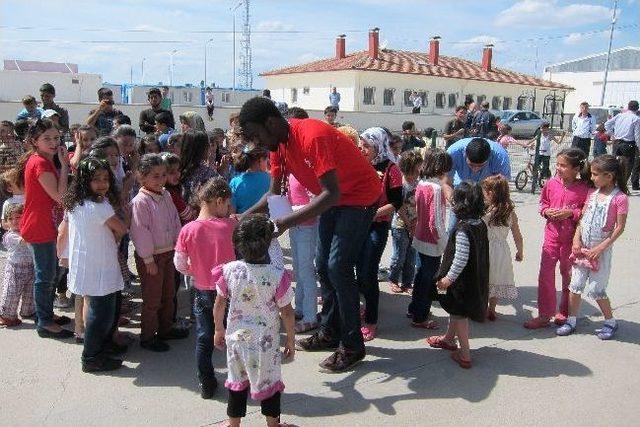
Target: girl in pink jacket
[561,203]
[430,238]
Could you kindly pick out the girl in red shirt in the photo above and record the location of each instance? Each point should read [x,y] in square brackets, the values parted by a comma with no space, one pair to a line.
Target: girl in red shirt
[44,186]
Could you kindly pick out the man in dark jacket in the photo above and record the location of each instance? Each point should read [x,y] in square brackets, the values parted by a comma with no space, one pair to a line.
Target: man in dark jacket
[148,116]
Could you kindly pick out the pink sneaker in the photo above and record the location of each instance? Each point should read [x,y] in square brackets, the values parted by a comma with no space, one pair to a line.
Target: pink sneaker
[368,332]
[560,319]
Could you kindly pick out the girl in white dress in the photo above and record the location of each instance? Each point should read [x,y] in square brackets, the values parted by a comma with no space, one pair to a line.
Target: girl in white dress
[258,290]
[94,229]
[500,219]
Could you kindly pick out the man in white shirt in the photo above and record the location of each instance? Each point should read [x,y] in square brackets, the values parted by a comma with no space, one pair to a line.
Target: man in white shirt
[417,103]
[334,98]
[625,132]
[583,126]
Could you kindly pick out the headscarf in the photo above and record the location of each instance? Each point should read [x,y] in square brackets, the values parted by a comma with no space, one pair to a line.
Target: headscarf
[379,138]
[193,119]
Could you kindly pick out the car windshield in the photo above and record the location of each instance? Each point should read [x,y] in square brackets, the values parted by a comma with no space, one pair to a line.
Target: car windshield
[505,115]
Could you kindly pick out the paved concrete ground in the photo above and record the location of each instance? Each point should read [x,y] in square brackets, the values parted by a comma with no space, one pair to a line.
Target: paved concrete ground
[519,377]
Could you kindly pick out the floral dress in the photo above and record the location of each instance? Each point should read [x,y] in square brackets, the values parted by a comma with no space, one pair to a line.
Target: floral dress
[256,293]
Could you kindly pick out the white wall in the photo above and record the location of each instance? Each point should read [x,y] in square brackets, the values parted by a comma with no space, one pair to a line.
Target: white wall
[319,85]
[14,85]
[360,120]
[351,86]
[622,86]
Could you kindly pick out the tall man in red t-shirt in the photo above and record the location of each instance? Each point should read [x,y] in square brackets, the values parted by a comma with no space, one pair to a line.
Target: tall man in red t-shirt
[346,187]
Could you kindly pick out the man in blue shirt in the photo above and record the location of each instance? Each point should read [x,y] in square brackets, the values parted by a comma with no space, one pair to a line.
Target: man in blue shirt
[334,98]
[474,159]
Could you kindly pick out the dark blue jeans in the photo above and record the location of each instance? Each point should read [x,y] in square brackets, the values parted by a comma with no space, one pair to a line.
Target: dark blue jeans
[342,231]
[367,269]
[403,260]
[424,288]
[203,310]
[44,288]
[98,324]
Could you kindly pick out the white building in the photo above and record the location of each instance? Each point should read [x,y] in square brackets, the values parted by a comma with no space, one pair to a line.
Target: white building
[20,78]
[587,74]
[382,80]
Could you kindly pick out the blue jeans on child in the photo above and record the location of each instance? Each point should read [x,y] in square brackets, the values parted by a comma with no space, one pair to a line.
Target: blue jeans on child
[424,288]
[98,324]
[403,259]
[203,310]
[342,231]
[367,269]
[304,242]
[44,287]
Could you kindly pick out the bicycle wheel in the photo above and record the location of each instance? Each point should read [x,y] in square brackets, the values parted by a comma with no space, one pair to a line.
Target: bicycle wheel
[521,180]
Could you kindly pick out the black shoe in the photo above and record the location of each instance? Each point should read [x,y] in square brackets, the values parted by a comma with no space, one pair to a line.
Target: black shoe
[316,342]
[104,365]
[62,335]
[635,188]
[155,344]
[175,334]
[342,360]
[62,320]
[115,349]
[208,387]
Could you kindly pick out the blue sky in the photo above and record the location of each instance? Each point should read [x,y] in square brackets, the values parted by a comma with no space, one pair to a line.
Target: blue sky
[112,37]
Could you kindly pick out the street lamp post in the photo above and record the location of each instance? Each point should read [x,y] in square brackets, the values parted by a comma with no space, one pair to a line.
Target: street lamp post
[173,52]
[205,61]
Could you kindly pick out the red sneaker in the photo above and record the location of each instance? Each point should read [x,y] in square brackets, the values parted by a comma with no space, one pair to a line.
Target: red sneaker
[536,323]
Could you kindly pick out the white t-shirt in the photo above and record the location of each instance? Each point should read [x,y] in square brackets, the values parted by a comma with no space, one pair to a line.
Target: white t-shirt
[17,199]
[417,102]
[93,253]
[545,145]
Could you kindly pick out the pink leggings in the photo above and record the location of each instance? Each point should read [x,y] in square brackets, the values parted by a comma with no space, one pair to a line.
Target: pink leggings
[552,252]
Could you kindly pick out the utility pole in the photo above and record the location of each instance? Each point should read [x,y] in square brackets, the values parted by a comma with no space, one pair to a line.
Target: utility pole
[233,10]
[606,67]
[205,61]
[173,52]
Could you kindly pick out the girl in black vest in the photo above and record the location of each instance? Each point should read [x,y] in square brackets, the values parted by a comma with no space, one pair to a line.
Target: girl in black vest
[464,272]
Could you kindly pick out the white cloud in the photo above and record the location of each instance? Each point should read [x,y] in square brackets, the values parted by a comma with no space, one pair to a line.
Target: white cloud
[551,14]
[273,26]
[477,41]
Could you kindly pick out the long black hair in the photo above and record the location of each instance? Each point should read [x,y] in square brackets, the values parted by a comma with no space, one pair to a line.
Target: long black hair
[195,145]
[35,129]
[606,163]
[80,188]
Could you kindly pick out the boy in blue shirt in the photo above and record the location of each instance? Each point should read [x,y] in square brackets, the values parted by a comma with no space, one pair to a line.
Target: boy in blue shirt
[30,110]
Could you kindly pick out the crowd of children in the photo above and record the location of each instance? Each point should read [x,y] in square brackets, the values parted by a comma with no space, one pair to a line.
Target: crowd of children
[180,197]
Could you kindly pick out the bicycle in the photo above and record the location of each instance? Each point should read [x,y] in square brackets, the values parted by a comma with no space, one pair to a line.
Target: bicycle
[522,178]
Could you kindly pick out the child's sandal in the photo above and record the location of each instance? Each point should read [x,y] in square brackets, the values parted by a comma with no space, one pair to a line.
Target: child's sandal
[438,341]
[396,289]
[464,364]
[368,332]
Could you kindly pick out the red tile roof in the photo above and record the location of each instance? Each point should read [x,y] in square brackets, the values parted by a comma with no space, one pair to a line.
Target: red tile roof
[404,62]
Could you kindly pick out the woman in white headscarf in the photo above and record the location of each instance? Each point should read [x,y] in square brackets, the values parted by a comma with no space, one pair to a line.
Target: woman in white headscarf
[190,120]
[375,144]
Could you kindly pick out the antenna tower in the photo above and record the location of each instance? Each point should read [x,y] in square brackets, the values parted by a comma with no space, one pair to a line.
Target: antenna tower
[245,72]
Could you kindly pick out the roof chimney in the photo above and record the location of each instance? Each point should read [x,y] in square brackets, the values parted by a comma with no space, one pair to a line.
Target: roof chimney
[374,43]
[434,50]
[341,50]
[487,54]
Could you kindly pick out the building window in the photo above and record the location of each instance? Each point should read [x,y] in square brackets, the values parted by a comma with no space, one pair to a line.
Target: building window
[522,101]
[407,98]
[440,98]
[495,103]
[425,99]
[305,90]
[506,103]
[187,96]
[468,99]
[294,95]
[453,100]
[226,97]
[369,96]
[481,99]
[388,97]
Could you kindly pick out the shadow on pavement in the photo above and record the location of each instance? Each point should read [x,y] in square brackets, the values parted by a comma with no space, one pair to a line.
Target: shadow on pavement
[440,378]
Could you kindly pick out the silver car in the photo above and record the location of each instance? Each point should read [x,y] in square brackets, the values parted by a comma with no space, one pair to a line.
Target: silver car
[523,124]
